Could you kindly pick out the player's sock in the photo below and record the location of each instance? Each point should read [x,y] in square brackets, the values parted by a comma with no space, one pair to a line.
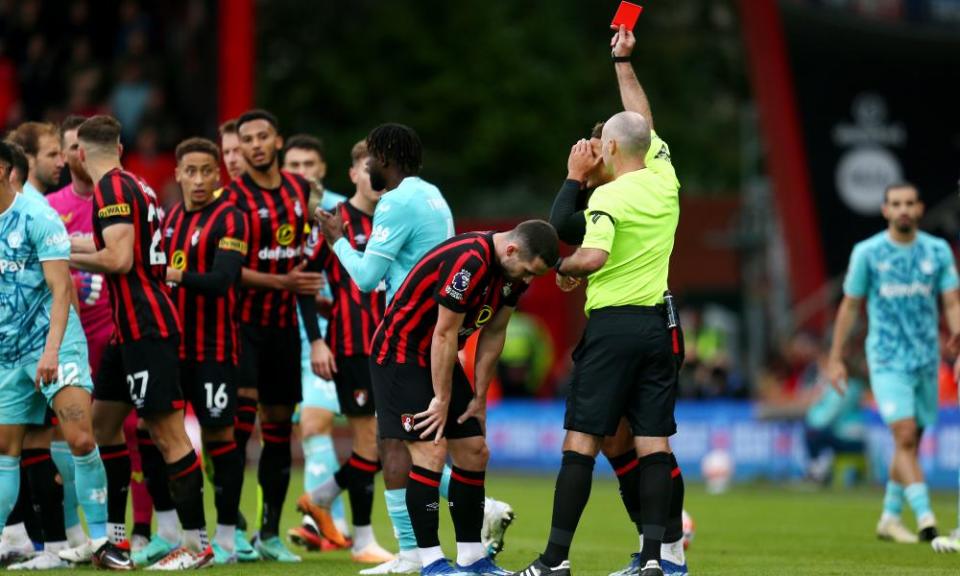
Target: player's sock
[320,464]
[155,475]
[116,463]
[674,531]
[226,481]
[23,511]
[423,505]
[466,499]
[656,487]
[226,537]
[274,475]
[9,486]
[919,500]
[63,460]
[47,493]
[139,494]
[243,425]
[569,498]
[186,489]
[892,500]
[625,468]
[400,519]
[91,491]
[168,525]
[357,475]
[445,482]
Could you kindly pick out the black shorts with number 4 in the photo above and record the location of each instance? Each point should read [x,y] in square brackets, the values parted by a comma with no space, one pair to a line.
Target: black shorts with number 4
[405,390]
[354,387]
[624,366]
[211,387]
[145,373]
[270,362]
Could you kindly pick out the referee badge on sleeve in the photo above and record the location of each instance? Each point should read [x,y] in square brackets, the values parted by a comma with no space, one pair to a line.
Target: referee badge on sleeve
[406,420]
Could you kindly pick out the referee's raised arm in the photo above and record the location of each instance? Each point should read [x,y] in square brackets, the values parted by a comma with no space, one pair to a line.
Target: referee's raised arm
[631,92]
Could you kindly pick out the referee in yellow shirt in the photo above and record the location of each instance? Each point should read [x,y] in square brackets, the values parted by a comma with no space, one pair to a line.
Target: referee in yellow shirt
[626,363]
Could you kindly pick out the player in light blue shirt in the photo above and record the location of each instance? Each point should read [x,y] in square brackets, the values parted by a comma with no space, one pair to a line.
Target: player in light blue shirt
[43,350]
[411,218]
[902,273]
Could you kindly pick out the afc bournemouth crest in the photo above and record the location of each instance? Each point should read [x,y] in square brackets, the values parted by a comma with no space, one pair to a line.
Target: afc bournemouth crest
[406,420]
[360,396]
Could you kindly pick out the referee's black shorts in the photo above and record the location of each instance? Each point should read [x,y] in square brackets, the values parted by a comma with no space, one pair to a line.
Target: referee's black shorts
[624,365]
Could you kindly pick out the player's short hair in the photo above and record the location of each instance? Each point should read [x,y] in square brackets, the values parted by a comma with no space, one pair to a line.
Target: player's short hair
[6,155]
[100,130]
[597,130]
[258,114]
[71,122]
[359,151]
[897,186]
[18,161]
[537,238]
[28,134]
[305,142]
[396,144]
[228,127]
[202,145]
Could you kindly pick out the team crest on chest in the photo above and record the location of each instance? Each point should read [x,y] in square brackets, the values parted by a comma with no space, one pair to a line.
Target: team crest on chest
[297,208]
[927,267]
[406,420]
[195,239]
[263,213]
[15,239]
[507,289]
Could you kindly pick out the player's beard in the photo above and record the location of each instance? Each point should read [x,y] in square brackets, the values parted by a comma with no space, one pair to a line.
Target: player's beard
[378,181]
[906,226]
[266,165]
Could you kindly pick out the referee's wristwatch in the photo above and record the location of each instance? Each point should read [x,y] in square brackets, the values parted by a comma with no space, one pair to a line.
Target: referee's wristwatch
[618,59]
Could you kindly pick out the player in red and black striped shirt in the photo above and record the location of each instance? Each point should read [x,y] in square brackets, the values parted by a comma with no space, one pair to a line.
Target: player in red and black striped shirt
[275,284]
[141,368]
[206,246]
[470,282]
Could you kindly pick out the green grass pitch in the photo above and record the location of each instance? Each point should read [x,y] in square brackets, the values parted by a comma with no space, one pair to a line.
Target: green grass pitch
[752,531]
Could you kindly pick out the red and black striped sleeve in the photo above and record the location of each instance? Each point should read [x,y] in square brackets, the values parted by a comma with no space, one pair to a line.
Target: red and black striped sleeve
[461,273]
[114,201]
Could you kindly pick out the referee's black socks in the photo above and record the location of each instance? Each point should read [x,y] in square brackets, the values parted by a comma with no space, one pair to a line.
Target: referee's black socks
[625,466]
[569,499]
[674,530]
[655,492]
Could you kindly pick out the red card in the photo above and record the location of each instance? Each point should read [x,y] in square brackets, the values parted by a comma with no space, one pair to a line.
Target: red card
[626,15]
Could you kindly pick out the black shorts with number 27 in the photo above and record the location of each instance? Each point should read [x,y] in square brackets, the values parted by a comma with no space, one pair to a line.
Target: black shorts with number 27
[144,373]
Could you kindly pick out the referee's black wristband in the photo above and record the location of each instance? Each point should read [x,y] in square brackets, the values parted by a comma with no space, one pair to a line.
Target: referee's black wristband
[618,59]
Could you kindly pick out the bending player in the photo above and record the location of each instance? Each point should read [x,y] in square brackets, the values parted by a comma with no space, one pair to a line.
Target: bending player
[411,218]
[141,368]
[468,283]
[44,355]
